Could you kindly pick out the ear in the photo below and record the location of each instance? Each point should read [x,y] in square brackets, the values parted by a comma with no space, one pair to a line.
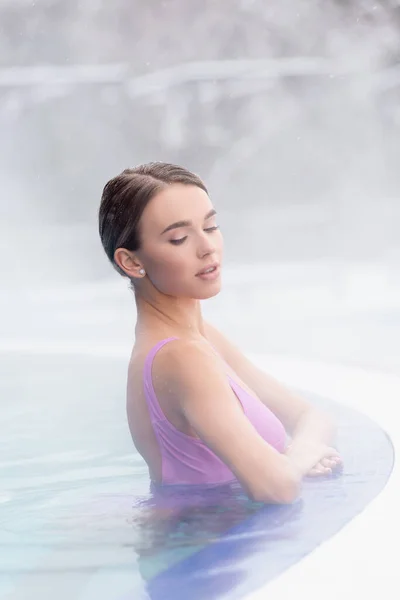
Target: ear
[128,262]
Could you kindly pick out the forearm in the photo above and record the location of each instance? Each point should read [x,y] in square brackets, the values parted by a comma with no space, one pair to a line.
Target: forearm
[313,430]
[314,426]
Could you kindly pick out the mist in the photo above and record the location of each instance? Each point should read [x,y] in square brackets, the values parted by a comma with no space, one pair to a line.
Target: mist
[290,112]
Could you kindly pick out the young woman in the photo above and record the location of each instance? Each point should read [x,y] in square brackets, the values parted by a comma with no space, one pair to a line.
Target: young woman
[198,410]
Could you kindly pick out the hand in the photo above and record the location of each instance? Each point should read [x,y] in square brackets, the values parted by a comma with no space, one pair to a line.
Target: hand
[313,459]
[325,466]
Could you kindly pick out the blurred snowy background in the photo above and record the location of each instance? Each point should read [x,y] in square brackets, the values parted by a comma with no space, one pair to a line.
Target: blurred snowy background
[290,111]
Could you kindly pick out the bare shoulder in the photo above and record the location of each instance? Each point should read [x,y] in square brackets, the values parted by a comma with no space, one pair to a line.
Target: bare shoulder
[181,360]
[176,363]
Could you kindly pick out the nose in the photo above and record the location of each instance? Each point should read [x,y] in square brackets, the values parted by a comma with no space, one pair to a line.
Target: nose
[206,246]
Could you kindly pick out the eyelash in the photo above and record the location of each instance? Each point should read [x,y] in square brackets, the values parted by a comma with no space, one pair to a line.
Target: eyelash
[181,240]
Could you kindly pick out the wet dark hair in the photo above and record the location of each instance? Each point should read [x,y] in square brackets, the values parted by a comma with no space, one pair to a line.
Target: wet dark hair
[126,196]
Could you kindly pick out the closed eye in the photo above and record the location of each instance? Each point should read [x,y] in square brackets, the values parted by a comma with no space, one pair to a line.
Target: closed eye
[177,242]
[181,240]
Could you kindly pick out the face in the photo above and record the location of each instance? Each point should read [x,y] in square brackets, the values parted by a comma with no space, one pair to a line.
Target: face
[180,238]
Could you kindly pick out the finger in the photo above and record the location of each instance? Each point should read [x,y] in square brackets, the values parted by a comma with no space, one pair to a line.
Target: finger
[314,473]
[329,462]
[332,453]
[324,464]
[338,463]
[319,470]
[334,457]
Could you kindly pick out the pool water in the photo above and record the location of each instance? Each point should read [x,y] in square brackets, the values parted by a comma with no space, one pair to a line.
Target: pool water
[80,520]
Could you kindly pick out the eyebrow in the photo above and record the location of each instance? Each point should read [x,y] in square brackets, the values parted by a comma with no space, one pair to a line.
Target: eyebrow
[210,214]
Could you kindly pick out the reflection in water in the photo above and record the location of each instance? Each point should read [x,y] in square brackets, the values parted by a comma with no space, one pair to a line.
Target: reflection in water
[177,521]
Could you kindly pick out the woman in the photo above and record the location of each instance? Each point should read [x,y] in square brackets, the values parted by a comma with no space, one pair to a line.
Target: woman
[198,410]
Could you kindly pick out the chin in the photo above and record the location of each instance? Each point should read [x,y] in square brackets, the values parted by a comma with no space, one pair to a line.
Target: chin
[210,293]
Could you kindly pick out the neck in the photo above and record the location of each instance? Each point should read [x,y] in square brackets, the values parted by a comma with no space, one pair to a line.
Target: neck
[176,316]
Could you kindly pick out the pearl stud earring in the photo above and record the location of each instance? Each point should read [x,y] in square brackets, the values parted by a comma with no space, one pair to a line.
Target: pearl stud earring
[142,271]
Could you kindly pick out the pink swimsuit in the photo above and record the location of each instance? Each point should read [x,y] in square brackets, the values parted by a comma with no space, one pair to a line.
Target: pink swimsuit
[186,459]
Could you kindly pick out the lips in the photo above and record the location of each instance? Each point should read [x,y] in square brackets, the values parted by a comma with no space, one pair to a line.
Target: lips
[209,268]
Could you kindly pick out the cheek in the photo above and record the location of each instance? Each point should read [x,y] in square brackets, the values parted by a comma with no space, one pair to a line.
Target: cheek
[167,260]
[168,267]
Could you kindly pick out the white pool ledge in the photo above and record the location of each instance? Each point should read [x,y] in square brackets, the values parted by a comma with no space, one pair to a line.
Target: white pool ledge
[361,560]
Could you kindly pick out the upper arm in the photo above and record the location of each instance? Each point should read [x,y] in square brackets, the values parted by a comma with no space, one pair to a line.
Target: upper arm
[208,403]
[286,405]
